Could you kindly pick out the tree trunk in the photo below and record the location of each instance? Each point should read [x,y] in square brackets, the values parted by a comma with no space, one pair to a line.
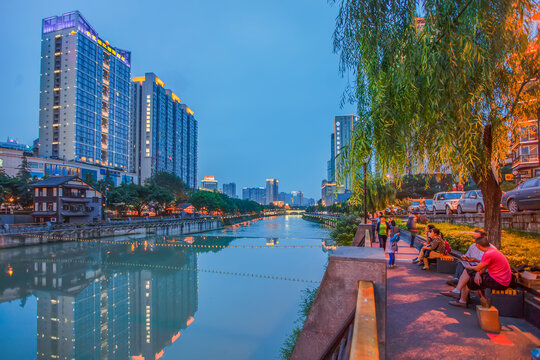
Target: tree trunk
[491,192]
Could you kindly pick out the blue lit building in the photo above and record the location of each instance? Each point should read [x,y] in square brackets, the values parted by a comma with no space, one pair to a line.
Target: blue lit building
[84,95]
[166,131]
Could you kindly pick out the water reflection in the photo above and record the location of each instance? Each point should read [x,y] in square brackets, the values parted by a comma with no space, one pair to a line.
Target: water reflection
[152,297]
[92,303]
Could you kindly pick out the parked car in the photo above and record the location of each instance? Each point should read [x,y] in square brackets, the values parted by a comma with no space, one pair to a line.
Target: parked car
[426,206]
[525,196]
[446,202]
[471,201]
[414,207]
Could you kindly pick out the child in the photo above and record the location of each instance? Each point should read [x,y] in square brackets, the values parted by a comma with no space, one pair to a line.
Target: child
[393,247]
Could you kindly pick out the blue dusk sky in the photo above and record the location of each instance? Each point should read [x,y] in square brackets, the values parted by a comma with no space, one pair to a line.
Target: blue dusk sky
[260,76]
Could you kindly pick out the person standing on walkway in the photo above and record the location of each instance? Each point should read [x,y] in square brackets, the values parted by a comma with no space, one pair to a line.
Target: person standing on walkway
[382,232]
[393,246]
[411,226]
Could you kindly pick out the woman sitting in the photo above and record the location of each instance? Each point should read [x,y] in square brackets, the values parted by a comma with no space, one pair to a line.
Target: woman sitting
[436,248]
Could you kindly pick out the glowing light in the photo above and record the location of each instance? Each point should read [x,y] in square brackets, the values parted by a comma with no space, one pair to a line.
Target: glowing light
[160,354]
[159,82]
[175,98]
[139,79]
[190,112]
[175,337]
[10,271]
[190,320]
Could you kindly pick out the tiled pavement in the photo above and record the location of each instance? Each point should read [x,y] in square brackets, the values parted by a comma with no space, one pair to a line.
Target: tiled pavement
[422,325]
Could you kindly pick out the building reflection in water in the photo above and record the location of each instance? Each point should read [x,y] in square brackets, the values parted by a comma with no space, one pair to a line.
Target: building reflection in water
[108,303]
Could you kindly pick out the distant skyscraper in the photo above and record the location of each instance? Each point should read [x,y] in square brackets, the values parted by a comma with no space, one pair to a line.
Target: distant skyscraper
[343,130]
[332,162]
[84,95]
[165,131]
[230,190]
[297,198]
[254,194]
[210,183]
[271,190]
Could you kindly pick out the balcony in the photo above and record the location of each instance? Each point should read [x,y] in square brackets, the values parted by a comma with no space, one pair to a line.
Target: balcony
[525,161]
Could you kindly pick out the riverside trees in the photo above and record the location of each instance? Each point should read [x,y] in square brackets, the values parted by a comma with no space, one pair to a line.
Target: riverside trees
[445,90]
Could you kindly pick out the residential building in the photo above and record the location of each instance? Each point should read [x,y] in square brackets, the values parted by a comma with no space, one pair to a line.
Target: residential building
[230,190]
[297,198]
[165,131]
[272,186]
[11,160]
[255,194]
[286,198]
[332,193]
[84,95]
[66,199]
[209,183]
[525,151]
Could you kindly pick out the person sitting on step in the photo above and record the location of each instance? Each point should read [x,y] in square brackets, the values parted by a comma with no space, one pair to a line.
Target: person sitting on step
[492,272]
[435,248]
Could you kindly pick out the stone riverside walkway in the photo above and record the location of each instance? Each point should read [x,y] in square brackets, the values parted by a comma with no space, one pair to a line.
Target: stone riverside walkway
[422,325]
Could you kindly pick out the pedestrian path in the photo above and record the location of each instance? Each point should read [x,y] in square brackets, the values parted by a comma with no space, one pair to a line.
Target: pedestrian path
[422,325]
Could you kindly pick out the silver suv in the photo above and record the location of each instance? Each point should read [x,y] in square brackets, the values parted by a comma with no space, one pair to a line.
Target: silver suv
[446,202]
[471,201]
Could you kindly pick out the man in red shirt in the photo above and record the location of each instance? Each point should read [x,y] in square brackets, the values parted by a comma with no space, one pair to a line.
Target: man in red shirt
[497,277]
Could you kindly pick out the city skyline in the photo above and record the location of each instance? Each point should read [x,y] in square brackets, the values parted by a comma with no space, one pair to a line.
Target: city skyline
[222,92]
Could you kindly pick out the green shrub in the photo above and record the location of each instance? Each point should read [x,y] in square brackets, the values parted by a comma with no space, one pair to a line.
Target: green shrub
[518,247]
[345,230]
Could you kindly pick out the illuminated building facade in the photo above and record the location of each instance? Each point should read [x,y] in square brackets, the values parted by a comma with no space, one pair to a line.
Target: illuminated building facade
[332,162]
[272,190]
[84,95]
[209,183]
[166,132]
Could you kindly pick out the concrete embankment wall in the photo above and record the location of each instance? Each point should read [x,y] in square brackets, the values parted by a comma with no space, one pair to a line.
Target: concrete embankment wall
[179,227]
[336,299]
[528,221]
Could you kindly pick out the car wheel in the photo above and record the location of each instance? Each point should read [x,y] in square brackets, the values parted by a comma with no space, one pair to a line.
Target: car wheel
[448,210]
[513,206]
[459,209]
[479,208]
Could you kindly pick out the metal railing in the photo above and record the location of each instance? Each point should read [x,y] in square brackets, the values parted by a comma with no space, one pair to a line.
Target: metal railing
[357,338]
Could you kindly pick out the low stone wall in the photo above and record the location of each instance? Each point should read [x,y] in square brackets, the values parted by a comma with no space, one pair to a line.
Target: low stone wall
[528,221]
[178,227]
[336,299]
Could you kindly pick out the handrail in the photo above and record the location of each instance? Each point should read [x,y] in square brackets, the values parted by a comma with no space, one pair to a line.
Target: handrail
[365,342]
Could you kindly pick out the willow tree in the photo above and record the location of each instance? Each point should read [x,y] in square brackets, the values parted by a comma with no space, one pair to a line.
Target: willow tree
[445,91]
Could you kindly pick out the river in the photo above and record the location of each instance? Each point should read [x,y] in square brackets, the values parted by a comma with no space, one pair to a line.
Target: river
[227,294]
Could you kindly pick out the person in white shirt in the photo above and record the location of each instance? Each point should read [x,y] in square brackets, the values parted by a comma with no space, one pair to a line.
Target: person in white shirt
[473,256]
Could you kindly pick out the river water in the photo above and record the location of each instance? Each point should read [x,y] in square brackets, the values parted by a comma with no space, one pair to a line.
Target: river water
[226,294]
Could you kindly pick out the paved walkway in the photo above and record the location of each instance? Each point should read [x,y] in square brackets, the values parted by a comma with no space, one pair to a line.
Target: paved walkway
[422,325]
